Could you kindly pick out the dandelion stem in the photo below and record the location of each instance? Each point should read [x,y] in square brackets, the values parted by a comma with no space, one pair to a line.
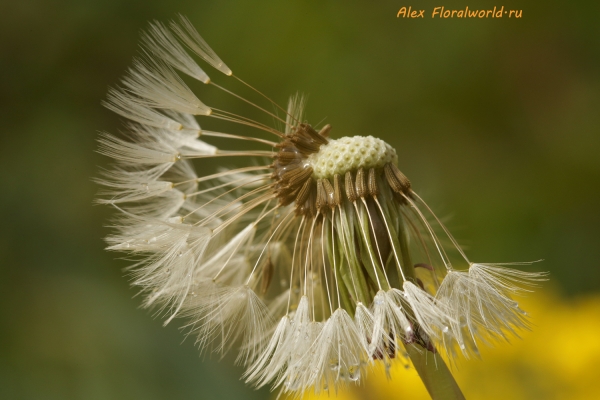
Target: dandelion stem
[434,373]
[407,267]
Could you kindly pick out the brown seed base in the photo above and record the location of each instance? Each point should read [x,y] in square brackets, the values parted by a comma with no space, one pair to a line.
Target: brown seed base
[294,182]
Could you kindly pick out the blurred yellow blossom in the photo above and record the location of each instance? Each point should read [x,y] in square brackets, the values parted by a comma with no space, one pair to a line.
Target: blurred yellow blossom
[559,359]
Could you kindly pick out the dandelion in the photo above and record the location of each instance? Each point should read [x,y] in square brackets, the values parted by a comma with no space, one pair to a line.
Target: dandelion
[317,259]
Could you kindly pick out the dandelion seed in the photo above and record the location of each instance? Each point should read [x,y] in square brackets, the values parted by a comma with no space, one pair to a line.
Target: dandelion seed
[318,260]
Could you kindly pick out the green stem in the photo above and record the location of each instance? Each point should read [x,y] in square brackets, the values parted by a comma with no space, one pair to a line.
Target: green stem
[434,373]
[409,270]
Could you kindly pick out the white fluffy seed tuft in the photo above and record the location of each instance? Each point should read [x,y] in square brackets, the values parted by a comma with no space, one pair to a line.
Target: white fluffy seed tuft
[223,314]
[390,325]
[161,42]
[130,107]
[433,317]
[337,356]
[188,35]
[158,86]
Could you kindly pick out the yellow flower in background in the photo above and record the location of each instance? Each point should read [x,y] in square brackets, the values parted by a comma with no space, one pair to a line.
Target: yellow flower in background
[559,359]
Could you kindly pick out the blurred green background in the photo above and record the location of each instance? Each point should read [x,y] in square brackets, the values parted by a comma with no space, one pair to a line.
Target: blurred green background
[496,122]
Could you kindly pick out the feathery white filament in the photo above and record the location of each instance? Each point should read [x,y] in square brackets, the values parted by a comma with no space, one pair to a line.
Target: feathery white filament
[295,112]
[133,153]
[130,107]
[163,44]
[188,35]
[225,314]
[432,316]
[273,357]
[389,325]
[337,355]
[158,86]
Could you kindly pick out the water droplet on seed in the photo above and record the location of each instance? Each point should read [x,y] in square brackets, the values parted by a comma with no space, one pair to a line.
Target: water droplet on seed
[354,373]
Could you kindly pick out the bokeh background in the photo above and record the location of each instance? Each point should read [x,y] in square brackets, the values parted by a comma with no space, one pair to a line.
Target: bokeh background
[496,122]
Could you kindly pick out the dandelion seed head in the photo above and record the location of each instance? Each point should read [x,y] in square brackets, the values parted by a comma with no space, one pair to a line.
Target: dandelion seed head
[315,259]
